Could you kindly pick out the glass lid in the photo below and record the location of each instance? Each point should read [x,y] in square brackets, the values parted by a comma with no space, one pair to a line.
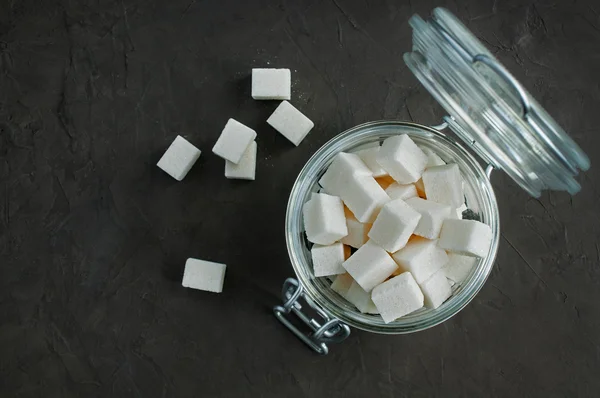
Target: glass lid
[489,109]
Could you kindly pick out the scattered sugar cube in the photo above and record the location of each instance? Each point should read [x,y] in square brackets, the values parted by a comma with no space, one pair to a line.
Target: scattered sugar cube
[432,158]
[397,297]
[458,267]
[357,232]
[432,216]
[467,237]
[394,225]
[290,122]
[233,141]
[422,258]
[364,197]
[420,188]
[370,265]
[360,298]
[436,290]
[179,158]
[443,184]
[385,181]
[341,172]
[401,191]
[203,275]
[271,84]
[246,168]
[402,158]
[324,219]
[341,284]
[369,157]
[460,210]
[327,260]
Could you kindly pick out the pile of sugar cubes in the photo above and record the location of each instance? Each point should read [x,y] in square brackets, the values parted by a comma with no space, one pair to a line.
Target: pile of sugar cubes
[400,206]
[237,146]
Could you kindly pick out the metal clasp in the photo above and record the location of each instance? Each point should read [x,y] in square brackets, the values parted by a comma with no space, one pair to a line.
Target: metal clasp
[325,330]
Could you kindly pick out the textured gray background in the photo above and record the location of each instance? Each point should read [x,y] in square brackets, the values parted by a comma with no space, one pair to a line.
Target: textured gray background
[93,236]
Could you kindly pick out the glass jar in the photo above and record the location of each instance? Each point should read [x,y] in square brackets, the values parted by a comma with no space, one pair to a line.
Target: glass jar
[493,116]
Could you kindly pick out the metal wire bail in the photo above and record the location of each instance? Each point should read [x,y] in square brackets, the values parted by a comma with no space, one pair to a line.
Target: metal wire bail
[325,330]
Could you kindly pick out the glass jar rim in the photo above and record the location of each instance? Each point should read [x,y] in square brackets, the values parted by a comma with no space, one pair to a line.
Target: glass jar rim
[307,179]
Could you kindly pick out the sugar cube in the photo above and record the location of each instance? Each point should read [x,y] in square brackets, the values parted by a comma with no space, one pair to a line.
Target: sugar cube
[342,283]
[401,191]
[324,219]
[233,141]
[369,157]
[290,122]
[433,158]
[370,265]
[402,158]
[357,232]
[436,290]
[443,184]
[360,298]
[397,297]
[179,158]
[364,197]
[459,267]
[385,181]
[246,167]
[341,172]
[432,216]
[271,84]
[422,258]
[394,225]
[327,260]
[203,275]
[467,237]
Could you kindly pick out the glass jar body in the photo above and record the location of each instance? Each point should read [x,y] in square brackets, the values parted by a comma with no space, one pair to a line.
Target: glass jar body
[479,196]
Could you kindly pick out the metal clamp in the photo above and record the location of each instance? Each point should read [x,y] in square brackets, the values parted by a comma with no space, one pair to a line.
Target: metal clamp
[325,330]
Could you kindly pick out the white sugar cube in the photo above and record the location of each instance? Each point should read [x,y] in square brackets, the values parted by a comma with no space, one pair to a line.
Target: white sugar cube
[467,237]
[394,225]
[364,197]
[370,265]
[436,290]
[360,298]
[369,157]
[204,275]
[401,191]
[290,122]
[459,267]
[324,219]
[341,284]
[233,141]
[271,84]
[246,168]
[179,158]
[432,158]
[327,260]
[443,184]
[341,172]
[421,257]
[357,232]
[459,211]
[432,216]
[397,297]
[402,158]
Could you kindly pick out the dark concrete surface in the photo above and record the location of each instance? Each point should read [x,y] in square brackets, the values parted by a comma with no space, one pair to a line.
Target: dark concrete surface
[93,236]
